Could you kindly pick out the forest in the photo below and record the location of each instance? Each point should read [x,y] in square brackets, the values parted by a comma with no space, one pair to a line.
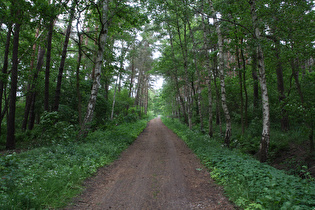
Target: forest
[73,73]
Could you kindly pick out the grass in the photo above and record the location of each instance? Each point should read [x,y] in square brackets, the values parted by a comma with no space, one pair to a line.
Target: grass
[47,177]
[248,183]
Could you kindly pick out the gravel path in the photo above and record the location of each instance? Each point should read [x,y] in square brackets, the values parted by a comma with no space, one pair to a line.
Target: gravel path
[158,171]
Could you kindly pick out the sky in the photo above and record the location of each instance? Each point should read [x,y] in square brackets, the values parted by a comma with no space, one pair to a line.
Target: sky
[158,83]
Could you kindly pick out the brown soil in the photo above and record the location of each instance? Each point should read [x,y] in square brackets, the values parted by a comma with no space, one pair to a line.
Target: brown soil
[158,171]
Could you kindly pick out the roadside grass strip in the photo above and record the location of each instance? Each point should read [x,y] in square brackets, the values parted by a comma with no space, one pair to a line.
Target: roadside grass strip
[248,183]
[48,177]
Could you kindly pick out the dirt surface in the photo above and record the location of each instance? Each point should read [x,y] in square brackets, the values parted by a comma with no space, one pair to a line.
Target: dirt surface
[158,171]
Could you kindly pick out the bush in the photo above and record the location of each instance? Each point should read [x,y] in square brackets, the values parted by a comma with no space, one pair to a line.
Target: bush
[49,131]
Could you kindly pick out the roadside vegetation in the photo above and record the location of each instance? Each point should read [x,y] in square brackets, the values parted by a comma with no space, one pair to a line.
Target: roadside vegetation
[48,176]
[248,183]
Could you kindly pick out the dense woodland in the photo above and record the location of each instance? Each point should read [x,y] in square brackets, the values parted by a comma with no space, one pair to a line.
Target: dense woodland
[75,65]
[80,65]
[241,72]
[248,64]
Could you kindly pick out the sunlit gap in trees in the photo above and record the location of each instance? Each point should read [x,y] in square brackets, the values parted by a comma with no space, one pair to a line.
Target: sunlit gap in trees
[158,80]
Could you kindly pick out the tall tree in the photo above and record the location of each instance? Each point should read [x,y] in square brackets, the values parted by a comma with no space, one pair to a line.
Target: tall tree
[64,56]
[48,60]
[5,71]
[228,130]
[104,22]
[265,136]
[10,144]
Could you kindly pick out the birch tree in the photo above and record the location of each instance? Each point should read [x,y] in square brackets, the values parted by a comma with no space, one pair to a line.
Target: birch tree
[104,21]
[228,130]
[265,136]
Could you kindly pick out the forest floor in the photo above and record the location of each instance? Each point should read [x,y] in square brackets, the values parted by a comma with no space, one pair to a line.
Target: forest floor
[158,171]
[293,158]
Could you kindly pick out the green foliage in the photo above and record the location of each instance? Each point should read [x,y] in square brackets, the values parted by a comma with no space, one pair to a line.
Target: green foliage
[52,129]
[249,183]
[47,177]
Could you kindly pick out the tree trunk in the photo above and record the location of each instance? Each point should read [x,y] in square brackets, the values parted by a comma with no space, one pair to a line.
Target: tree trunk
[29,86]
[10,144]
[245,88]
[131,76]
[48,59]
[33,91]
[80,36]
[63,58]
[280,85]
[114,98]
[205,46]
[265,138]
[255,79]
[98,67]
[138,92]
[240,76]
[199,97]
[228,130]
[187,87]
[217,93]
[146,95]
[175,77]
[5,69]
[30,103]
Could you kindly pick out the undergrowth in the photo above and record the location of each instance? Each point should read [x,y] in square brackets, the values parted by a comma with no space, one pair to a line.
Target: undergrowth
[249,183]
[47,177]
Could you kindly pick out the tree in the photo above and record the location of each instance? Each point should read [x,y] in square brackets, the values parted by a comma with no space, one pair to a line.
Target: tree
[63,56]
[14,75]
[98,65]
[265,136]
[228,130]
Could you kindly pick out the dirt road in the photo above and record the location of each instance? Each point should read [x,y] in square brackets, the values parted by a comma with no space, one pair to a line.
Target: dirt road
[158,171]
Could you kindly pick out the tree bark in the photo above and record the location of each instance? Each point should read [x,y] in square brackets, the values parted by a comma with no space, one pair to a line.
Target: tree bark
[187,87]
[175,77]
[199,97]
[131,76]
[79,106]
[48,59]
[217,93]
[98,67]
[265,137]
[30,103]
[280,86]
[205,46]
[5,69]
[255,79]
[240,76]
[114,98]
[228,130]
[63,58]
[40,62]
[245,88]
[10,143]
[29,86]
